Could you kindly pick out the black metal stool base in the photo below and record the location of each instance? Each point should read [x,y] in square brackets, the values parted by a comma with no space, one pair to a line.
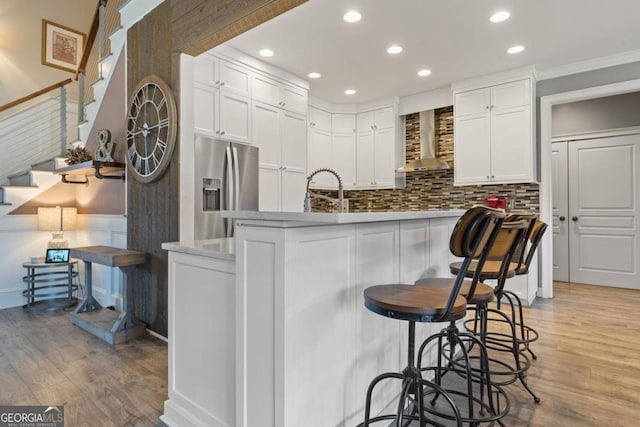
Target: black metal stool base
[477,397]
[411,405]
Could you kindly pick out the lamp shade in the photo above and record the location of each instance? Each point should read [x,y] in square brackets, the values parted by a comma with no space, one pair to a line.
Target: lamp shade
[57,218]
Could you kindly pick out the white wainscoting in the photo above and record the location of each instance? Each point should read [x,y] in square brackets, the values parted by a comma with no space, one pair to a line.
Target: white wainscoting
[21,239]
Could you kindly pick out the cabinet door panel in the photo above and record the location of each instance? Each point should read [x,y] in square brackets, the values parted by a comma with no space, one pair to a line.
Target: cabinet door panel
[383,118]
[472,102]
[364,159]
[343,157]
[266,133]
[320,156]
[235,117]
[472,152]
[319,119]
[235,78]
[269,181]
[384,173]
[343,123]
[294,140]
[511,145]
[513,94]
[294,183]
[294,99]
[204,69]
[364,122]
[204,110]
[266,90]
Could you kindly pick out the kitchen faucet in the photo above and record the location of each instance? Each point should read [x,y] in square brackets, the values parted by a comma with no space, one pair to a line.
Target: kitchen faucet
[307,196]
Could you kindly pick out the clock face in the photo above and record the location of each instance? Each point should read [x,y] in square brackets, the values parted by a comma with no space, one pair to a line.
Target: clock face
[151,130]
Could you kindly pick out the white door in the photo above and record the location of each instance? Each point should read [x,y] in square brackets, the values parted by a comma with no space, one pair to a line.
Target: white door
[269,184]
[343,157]
[320,157]
[560,203]
[510,145]
[472,149]
[603,199]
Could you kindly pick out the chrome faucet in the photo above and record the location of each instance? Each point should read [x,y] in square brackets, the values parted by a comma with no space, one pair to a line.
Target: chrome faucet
[307,196]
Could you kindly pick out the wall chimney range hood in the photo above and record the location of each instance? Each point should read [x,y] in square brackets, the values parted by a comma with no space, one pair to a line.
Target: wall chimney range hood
[428,160]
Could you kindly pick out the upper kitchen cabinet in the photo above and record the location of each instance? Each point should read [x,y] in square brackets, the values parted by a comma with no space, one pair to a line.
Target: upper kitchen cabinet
[281,138]
[319,147]
[343,147]
[377,147]
[280,94]
[222,99]
[494,139]
[332,144]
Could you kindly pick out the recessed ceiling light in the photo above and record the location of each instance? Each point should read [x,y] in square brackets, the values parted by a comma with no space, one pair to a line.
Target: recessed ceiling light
[515,49]
[352,16]
[503,15]
[350,92]
[424,73]
[266,53]
[314,75]
[394,49]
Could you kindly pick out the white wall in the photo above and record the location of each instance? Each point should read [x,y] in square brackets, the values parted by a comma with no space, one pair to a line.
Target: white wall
[21,70]
[21,240]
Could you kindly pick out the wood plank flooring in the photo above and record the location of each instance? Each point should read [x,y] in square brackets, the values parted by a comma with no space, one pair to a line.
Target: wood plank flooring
[45,360]
[587,372]
[588,367]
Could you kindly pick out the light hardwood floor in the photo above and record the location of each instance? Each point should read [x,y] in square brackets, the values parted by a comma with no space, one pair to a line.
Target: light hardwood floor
[587,372]
[588,367]
[45,360]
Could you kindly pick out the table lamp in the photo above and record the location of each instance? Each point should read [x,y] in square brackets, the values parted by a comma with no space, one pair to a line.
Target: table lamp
[57,220]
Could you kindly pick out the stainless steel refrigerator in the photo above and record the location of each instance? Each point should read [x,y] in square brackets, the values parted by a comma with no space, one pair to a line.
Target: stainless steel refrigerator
[226,179]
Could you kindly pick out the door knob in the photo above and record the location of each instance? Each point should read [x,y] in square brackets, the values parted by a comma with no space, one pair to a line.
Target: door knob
[561,218]
[574,218]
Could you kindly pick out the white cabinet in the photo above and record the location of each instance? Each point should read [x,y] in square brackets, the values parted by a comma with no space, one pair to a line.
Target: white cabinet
[343,147]
[281,138]
[280,94]
[332,144]
[375,148]
[201,371]
[319,147]
[494,136]
[222,99]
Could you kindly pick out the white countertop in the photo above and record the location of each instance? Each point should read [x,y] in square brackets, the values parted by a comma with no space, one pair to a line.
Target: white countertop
[317,218]
[223,248]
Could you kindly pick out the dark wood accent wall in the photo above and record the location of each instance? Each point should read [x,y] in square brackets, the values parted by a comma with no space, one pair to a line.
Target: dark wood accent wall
[153,47]
[199,25]
[152,209]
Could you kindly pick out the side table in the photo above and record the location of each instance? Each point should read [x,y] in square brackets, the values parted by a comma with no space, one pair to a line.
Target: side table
[106,324]
[50,286]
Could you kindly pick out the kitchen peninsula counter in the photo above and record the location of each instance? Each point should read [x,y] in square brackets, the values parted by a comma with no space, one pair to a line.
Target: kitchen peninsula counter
[272,330]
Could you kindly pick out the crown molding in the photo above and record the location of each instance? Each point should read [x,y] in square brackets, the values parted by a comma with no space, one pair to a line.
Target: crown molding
[589,65]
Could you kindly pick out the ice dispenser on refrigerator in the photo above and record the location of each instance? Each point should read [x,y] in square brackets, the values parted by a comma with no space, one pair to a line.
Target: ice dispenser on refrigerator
[226,178]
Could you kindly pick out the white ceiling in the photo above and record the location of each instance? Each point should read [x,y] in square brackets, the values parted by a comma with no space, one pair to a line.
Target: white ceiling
[453,38]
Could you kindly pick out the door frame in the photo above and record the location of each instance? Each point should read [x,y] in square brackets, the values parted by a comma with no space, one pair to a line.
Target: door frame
[546,183]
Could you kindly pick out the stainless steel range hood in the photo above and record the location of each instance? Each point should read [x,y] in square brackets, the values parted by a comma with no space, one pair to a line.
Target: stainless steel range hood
[428,160]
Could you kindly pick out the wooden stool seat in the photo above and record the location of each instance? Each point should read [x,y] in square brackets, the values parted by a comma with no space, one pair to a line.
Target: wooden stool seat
[410,302]
[482,294]
[490,270]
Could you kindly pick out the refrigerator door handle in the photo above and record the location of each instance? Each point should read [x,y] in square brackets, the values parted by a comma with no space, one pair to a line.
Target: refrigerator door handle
[230,190]
[236,179]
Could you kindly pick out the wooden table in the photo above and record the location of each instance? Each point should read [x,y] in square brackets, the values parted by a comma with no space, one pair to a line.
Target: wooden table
[106,324]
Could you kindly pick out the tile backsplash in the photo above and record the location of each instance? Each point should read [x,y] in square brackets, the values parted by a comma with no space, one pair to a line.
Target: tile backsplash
[434,189]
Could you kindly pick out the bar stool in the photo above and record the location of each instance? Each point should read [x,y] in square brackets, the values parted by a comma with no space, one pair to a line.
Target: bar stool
[472,238]
[509,242]
[535,232]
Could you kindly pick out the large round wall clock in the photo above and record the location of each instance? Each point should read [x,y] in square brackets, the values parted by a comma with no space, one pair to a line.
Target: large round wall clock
[151,130]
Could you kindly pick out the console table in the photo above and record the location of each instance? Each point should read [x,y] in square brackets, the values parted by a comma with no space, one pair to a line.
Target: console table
[108,325]
[49,286]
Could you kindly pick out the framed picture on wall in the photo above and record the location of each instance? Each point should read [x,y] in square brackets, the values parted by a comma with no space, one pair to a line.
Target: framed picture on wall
[61,46]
